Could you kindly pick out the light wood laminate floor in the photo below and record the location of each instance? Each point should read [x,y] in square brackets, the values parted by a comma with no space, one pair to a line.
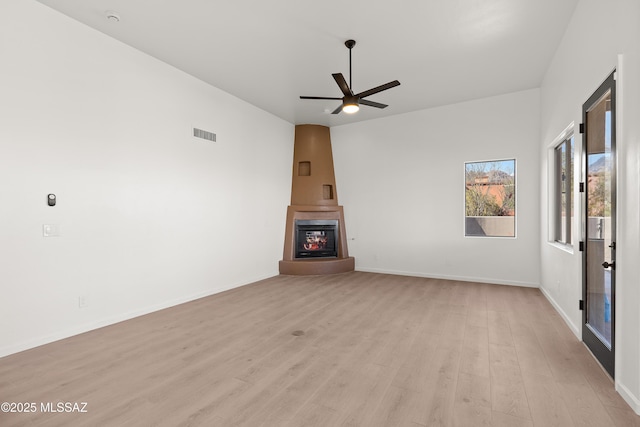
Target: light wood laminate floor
[355,349]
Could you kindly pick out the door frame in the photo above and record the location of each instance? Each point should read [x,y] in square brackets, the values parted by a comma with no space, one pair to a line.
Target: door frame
[603,354]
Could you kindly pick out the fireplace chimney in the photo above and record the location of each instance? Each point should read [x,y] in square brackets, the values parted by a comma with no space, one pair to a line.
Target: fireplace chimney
[314,218]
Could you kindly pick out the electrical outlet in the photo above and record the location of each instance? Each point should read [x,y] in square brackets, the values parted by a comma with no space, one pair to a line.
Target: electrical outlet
[82,301]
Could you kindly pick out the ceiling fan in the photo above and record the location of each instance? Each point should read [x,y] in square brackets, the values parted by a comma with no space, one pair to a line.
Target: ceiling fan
[351,102]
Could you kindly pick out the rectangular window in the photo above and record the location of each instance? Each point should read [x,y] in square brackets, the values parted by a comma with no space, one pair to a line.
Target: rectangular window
[490,198]
[563,191]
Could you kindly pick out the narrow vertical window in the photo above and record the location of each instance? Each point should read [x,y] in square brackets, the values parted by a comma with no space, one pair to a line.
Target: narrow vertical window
[563,189]
[490,198]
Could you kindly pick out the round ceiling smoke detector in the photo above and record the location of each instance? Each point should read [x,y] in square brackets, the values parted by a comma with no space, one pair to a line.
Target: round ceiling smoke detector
[112,16]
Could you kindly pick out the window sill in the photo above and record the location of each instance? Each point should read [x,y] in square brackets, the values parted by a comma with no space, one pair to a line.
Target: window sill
[563,247]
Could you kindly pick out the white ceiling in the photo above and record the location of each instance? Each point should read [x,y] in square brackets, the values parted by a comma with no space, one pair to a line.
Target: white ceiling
[268,53]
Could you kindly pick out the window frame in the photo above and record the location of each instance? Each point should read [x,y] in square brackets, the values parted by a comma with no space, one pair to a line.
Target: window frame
[515,200]
[561,227]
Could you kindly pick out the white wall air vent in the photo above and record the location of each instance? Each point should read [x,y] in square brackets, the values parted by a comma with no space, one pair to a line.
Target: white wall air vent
[203,134]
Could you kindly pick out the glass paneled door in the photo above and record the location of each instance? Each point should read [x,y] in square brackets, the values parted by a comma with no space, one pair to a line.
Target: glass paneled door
[599,258]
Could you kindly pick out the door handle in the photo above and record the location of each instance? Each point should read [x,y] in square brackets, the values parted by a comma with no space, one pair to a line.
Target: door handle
[611,264]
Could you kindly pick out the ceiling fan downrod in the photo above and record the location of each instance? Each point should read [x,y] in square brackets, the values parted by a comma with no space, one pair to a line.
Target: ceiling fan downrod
[350,44]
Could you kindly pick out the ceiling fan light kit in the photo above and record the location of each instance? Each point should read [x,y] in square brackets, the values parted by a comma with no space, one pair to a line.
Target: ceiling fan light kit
[350,105]
[350,108]
[351,102]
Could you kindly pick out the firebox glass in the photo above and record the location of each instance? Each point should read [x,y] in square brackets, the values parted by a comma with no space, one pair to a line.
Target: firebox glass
[316,238]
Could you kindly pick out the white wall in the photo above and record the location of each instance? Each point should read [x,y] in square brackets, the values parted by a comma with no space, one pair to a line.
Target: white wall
[401,181]
[149,216]
[601,36]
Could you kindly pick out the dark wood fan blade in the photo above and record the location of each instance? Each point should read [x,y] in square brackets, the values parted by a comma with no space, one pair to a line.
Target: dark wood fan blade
[337,110]
[320,97]
[372,104]
[378,89]
[344,87]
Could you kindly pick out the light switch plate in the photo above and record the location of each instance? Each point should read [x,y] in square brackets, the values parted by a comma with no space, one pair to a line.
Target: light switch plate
[50,230]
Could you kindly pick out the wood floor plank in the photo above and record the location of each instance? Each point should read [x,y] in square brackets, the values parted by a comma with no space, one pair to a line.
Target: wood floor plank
[313,415]
[510,399]
[531,357]
[437,400]
[475,352]
[546,402]
[353,349]
[623,417]
[584,406]
[508,394]
[499,328]
[362,406]
[396,408]
[499,419]
[601,383]
[563,363]
[477,318]
[473,390]
[473,401]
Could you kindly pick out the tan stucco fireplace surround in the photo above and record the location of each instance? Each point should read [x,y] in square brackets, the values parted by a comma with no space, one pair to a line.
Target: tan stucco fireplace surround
[314,200]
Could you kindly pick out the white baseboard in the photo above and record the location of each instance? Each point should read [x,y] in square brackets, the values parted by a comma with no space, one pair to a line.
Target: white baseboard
[632,400]
[447,277]
[111,320]
[577,331]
